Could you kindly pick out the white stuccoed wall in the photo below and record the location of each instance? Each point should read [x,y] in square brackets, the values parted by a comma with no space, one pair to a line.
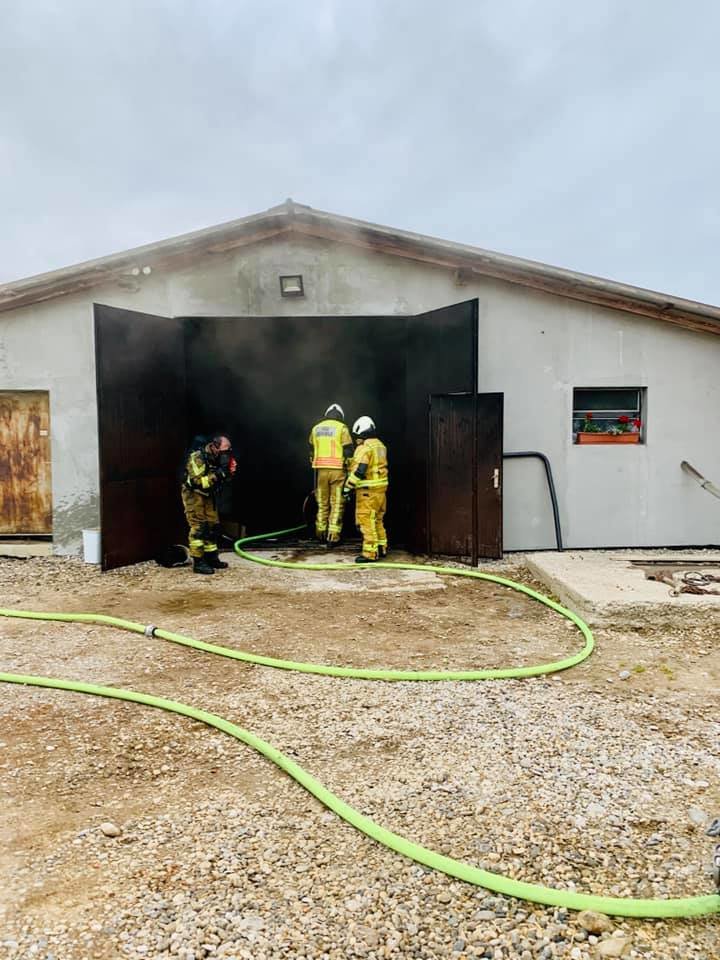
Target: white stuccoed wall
[50,347]
[533,347]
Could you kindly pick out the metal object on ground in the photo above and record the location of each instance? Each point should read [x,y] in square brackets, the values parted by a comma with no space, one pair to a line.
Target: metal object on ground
[680,580]
[173,556]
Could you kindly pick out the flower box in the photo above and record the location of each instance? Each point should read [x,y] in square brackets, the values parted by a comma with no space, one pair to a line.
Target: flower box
[608,437]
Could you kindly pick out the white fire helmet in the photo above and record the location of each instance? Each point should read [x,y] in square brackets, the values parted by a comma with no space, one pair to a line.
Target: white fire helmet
[335,411]
[362,426]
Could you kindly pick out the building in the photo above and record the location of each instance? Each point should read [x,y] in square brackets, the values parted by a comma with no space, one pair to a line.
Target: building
[108,367]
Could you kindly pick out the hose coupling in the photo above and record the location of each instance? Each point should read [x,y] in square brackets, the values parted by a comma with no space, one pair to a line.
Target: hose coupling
[716,868]
[150,630]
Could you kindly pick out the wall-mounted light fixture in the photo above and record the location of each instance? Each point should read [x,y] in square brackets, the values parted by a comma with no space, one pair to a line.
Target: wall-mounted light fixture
[292,286]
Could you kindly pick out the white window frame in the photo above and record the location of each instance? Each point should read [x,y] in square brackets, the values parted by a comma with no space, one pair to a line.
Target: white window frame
[609,416]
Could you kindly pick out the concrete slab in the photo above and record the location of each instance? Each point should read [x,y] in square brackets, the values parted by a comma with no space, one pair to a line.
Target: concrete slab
[602,585]
[25,548]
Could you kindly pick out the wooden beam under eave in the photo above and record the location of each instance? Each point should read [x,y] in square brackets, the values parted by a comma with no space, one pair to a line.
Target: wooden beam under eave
[486,268]
[258,237]
[689,321]
[183,255]
[380,246]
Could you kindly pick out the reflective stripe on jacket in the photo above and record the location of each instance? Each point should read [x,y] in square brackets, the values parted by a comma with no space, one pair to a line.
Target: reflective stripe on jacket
[198,473]
[372,453]
[327,440]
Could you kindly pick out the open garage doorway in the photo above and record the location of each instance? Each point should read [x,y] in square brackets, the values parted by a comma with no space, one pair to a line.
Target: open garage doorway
[265,381]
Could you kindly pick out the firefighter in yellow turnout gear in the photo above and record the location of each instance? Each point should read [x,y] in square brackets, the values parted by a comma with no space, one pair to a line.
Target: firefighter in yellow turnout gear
[206,469]
[331,448]
[368,477]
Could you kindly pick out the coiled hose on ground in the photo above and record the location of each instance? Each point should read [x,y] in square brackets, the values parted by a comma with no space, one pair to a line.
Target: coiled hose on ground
[615,906]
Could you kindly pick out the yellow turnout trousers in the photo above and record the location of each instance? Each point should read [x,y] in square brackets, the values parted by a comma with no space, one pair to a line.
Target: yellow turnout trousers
[330,504]
[370,504]
[202,519]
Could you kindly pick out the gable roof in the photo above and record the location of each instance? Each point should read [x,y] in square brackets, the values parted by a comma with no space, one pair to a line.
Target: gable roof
[296,219]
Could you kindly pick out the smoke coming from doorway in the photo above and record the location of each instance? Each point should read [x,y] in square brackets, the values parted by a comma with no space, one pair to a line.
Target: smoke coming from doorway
[267,380]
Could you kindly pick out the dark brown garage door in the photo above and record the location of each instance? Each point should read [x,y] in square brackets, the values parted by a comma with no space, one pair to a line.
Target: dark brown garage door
[140,362]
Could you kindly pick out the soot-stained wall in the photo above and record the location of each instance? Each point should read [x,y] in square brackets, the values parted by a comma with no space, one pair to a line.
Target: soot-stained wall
[266,380]
[535,348]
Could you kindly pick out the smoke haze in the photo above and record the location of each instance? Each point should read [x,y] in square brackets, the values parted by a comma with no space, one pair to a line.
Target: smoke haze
[583,135]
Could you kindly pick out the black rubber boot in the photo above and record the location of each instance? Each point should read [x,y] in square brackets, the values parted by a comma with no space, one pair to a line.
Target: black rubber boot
[362,559]
[200,565]
[382,553]
[213,560]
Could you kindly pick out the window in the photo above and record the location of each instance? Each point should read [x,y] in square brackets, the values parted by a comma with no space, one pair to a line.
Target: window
[608,415]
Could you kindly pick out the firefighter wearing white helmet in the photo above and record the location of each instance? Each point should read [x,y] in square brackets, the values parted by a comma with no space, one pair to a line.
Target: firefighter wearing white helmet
[368,477]
[331,448]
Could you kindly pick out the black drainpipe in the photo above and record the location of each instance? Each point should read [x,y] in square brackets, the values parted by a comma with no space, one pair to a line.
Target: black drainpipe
[551,487]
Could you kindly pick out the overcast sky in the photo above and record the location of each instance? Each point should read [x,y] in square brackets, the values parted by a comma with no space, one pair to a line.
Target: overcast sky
[584,134]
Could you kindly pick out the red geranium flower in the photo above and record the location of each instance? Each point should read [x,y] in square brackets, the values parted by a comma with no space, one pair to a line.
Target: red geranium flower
[623,419]
[588,415]
[637,423]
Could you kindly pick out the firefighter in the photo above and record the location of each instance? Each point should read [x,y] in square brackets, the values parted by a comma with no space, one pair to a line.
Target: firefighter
[208,466]
[368,477]
[331,448]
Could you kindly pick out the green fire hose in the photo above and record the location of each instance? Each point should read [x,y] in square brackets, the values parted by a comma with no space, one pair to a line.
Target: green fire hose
[616,906]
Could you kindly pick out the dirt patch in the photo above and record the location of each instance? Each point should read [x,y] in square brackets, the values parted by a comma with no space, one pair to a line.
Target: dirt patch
[528,774]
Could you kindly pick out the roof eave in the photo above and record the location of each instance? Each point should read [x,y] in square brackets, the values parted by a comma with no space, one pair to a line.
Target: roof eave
[298,219]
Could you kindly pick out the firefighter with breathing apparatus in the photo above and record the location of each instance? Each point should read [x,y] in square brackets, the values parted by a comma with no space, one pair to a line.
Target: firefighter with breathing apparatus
[368,477]
[207,467]
[331,448]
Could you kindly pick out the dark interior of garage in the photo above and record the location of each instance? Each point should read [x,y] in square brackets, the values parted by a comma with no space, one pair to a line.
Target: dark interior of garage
[265,381]
[268,381]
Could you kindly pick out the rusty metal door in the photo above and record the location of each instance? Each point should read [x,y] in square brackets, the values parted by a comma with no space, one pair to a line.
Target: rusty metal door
[140,365]
[465,475]
[25,478]
[441,357]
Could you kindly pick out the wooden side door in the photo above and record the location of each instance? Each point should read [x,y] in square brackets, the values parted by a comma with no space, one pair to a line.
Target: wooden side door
[25,475]
[140,369]
[452,479]
[489,460]
[465,475]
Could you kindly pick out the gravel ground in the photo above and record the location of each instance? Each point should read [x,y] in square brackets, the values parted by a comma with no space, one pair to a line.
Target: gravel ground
[129,833]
